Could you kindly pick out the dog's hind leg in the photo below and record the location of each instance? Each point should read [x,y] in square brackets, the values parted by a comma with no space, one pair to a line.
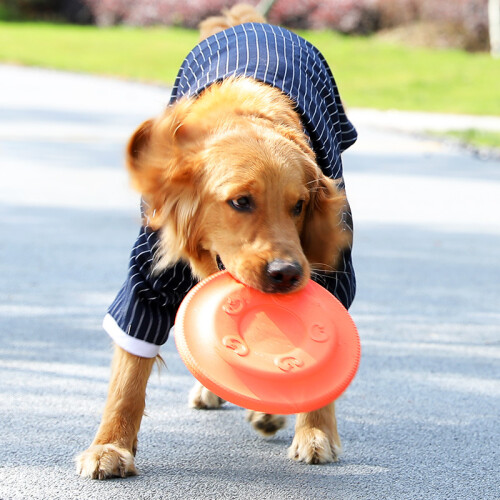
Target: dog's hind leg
[201,398]
[265,423]
[112,451]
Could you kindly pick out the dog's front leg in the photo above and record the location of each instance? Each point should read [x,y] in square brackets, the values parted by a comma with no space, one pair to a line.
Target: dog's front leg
[112,451]
[316,438]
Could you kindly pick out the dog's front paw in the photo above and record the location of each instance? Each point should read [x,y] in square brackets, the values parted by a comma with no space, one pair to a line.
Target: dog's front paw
[103,461]
[266,424]
[203,399]
[313,446]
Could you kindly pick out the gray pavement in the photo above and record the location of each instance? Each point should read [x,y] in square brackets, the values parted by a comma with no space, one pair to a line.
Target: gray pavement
[420,421]
[409,121]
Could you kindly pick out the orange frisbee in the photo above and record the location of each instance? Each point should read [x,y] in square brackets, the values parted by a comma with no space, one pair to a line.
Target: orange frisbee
[273,353]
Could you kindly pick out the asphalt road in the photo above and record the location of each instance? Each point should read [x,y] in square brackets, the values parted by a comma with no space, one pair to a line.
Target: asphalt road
[421,419]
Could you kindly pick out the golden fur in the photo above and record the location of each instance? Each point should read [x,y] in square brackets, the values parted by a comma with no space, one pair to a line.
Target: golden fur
[239,138]
[239,141]
[239,14]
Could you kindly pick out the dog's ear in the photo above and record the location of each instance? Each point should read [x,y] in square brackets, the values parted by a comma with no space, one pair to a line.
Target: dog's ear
[152,151]
[161,159]
[324,233]
[158,160]
[143,179]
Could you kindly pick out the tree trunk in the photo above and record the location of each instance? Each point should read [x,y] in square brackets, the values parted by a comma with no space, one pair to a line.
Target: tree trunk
[494,21]
[264,6]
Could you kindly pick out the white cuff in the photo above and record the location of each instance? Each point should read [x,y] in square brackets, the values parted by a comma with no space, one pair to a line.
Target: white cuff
[128,343]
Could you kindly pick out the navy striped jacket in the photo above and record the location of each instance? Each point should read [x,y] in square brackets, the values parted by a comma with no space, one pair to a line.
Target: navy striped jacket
[144,310]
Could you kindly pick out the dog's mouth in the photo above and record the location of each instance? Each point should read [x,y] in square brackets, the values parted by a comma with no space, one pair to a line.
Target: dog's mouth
[281,276]
[220,265]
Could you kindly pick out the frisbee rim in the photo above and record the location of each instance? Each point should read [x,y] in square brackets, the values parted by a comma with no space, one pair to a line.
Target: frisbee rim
[224,391]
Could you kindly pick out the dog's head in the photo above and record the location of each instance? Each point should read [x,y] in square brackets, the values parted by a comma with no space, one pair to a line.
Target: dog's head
[230,180]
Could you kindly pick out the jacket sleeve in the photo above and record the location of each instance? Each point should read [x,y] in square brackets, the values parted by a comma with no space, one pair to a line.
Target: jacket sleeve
[143,312]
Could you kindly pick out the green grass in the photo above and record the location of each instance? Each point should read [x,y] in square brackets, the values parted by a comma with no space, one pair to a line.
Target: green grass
[382,75]
[153,54]
[369,72]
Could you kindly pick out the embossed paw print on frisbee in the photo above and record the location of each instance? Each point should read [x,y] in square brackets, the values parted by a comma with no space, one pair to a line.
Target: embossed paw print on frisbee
[273,353]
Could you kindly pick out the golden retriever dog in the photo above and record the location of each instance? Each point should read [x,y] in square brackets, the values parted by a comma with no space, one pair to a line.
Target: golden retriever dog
[230,179]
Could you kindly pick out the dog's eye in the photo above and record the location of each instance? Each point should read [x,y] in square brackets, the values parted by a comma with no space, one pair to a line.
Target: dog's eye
[242,204]
[297,209]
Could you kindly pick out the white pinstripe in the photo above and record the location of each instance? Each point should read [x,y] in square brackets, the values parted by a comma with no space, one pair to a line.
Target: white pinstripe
[227,58]
[237,51]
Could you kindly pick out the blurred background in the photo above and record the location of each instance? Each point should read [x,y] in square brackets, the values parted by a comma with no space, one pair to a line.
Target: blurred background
[409,55]
[461,24]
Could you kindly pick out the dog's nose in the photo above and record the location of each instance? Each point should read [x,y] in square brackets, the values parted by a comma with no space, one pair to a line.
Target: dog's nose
[283,275]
